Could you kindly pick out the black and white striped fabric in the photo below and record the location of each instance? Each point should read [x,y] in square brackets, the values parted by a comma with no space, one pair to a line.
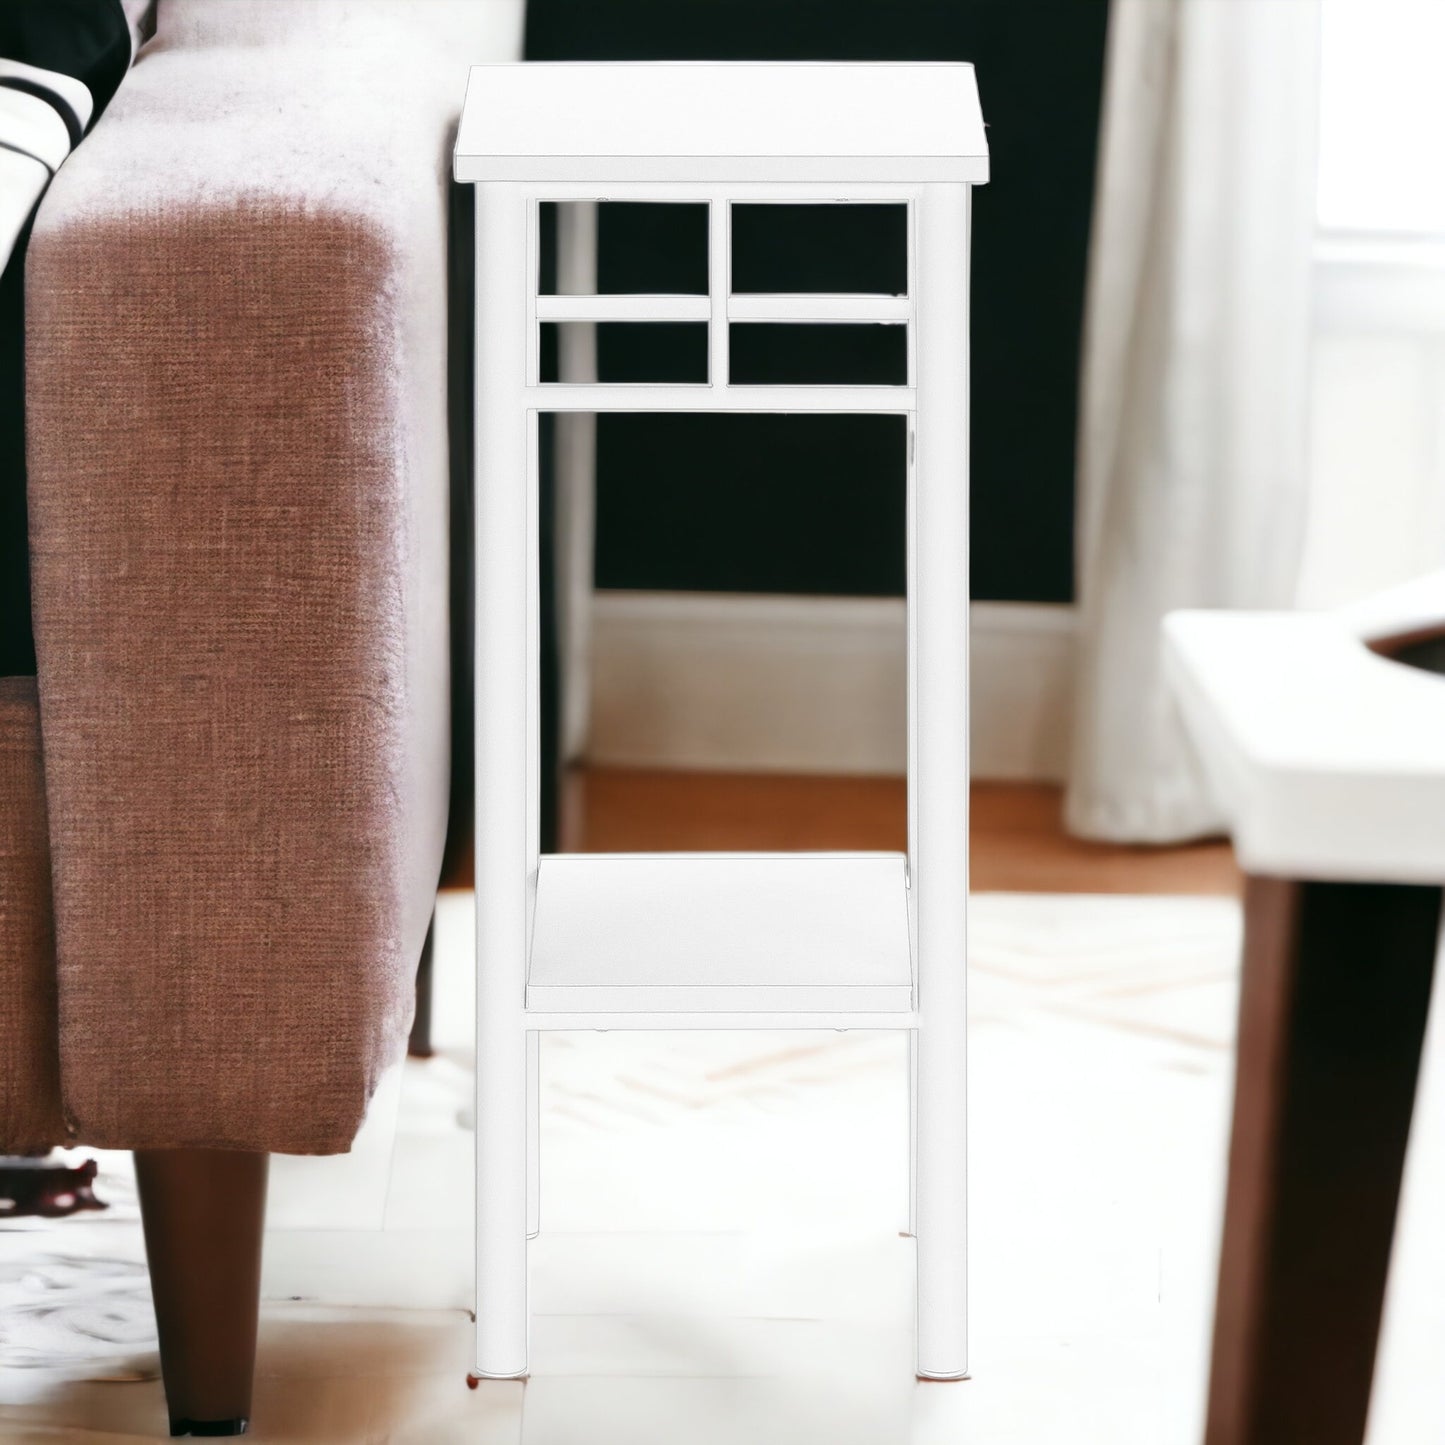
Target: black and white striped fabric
[43,114]
[60,63]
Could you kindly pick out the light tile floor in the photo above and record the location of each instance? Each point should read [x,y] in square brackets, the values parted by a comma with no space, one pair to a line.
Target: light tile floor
[721,1258]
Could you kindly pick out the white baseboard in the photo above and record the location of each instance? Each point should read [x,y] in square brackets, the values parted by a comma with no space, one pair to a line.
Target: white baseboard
[813,684]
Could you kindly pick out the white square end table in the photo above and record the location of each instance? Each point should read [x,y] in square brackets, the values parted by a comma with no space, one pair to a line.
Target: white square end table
[695,941]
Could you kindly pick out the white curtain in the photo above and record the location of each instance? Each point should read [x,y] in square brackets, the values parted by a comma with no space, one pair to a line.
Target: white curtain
[1193,427]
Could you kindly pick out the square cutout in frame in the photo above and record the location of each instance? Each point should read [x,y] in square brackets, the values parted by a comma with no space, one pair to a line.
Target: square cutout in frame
[817,354]
[644,248]
[766,502]
[840,247]
[673,352]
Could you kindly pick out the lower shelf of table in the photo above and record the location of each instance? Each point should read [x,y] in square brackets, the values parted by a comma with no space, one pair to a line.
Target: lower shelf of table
[737,940]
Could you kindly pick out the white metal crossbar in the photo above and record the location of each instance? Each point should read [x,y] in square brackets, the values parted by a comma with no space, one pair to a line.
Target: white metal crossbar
[739,307]
[699,396]
[623,308]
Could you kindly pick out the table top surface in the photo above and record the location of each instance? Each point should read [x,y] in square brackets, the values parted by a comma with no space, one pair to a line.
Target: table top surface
[724,121]
[1327,759]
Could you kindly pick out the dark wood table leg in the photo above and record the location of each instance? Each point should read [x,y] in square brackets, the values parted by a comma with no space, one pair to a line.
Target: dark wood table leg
[1334,997]
[419,1045]
[203,1211]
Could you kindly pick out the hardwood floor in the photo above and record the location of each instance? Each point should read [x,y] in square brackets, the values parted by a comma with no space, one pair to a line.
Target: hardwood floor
[1019,843]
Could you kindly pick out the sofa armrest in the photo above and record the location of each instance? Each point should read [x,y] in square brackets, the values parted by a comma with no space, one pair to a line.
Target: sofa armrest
[238,491]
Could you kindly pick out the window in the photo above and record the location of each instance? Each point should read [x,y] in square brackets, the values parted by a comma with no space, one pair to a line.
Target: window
[1382,117]
[1377,507]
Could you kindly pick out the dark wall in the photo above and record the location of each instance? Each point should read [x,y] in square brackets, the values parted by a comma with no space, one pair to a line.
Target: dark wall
[815,505]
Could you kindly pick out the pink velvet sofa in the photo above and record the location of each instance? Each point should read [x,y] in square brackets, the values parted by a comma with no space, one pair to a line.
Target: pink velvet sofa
[224,799]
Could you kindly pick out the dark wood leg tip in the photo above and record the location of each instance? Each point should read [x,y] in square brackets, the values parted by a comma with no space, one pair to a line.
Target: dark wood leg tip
[204,1211]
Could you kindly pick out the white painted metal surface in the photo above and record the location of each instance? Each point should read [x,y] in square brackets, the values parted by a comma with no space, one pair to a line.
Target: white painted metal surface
[735,933]
[534,1133]
[720,941]
[505,561]
[1327,759]
[719,285]
[938,772]
[688,122]
[622,308]
[699,396]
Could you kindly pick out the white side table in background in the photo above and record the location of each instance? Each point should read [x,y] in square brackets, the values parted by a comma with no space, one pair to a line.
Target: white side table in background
[741,940]
[1322,737]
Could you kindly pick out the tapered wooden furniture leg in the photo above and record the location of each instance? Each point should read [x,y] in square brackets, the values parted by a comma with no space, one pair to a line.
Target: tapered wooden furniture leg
[419,1045]
[203,1211]
[1332,1013]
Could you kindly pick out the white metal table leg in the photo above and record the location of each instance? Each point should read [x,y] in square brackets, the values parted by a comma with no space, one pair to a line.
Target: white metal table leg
[534,1133]
[913,1131]
[506,557]
[938,622]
